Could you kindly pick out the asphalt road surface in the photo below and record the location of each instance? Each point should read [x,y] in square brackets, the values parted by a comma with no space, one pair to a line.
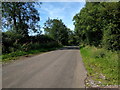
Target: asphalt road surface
[56,69]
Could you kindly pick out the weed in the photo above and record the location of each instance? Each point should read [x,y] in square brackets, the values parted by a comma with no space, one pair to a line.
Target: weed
[101,64]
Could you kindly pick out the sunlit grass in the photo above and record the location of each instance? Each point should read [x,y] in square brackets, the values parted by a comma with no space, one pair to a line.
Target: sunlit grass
[101,64]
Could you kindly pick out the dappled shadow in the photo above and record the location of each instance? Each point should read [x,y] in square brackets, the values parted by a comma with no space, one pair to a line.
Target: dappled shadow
[70,48]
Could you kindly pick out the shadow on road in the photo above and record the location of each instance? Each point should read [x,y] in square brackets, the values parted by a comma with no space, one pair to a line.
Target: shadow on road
[70,48]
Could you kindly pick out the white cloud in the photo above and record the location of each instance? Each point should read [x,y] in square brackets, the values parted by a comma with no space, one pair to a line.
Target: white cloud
[53,12]
[61,10]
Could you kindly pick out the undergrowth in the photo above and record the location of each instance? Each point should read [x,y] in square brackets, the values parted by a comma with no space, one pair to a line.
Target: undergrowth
[15,55]
[101,64]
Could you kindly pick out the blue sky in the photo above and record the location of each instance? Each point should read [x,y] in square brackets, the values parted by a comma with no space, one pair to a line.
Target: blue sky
[60,10]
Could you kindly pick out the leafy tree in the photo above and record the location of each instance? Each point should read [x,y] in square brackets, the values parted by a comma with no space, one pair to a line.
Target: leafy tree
[20,16]
[111,20]
[98,24]
[87,24]
[57,30]
[72,38]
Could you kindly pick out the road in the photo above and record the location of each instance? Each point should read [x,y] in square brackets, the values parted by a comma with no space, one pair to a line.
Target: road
[55,69]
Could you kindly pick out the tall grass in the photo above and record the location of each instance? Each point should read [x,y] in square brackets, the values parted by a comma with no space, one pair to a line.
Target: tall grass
[101,64]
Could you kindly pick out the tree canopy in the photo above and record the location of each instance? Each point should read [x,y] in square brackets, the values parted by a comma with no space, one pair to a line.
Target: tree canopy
[57,30]
[20,17]
[98,24]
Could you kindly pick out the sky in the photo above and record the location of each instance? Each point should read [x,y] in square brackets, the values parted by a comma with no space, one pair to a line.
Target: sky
[59,10]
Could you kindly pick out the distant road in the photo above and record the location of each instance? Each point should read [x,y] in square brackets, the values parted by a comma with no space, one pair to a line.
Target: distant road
[56,69]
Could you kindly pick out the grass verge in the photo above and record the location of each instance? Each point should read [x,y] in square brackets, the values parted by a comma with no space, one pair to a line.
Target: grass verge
[15,55]
[101,65]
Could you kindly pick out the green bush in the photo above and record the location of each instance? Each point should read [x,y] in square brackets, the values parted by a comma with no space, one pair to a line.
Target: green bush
[13,42]
[10,41]
[14,45]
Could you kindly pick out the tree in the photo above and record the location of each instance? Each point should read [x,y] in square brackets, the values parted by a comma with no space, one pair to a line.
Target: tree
[87,24]
[57,30]
[20,17]
[98,24]
[111,36]
[72,38]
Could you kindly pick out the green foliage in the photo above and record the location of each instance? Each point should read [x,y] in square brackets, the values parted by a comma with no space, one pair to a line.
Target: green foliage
[98,24]
[72,38]
[111,37]
[15,45]
[101,62]
[20,17]
[57,30]
[12,42]
[15,55]
[35,46]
